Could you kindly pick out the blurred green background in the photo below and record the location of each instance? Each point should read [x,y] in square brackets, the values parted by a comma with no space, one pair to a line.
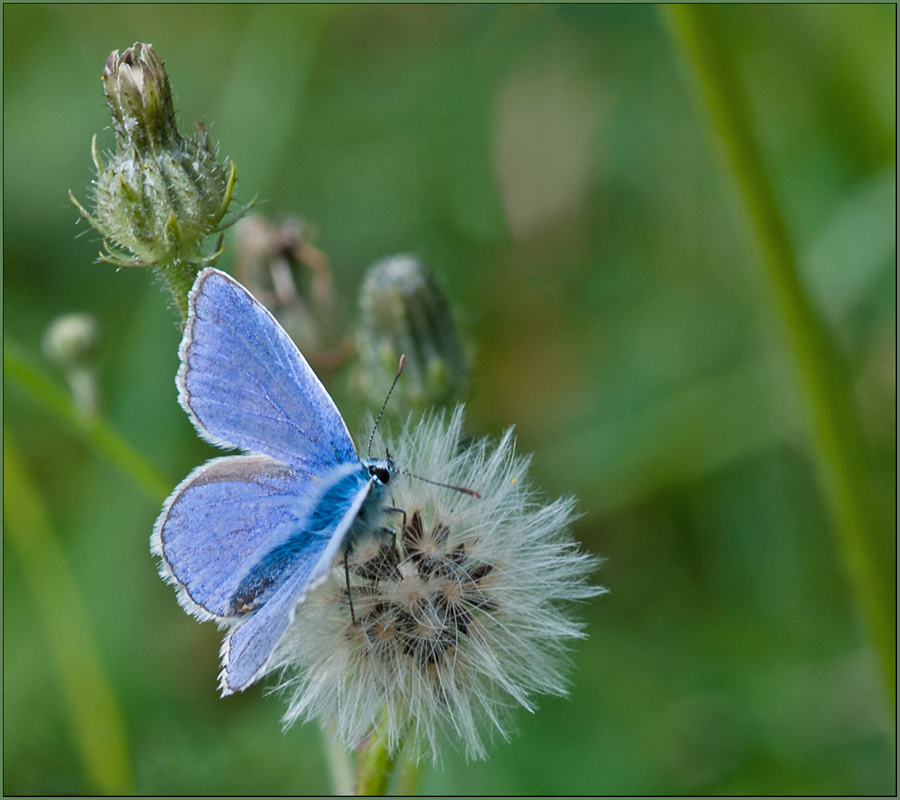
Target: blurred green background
[551,165]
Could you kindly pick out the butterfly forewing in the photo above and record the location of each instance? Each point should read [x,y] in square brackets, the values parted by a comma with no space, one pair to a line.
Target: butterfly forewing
[245,384]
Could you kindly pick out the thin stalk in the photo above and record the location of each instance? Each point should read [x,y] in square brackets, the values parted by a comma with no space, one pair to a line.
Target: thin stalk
[89,699]
[407,781]
[822,377]
[179,277]
[375,764]
[95,432]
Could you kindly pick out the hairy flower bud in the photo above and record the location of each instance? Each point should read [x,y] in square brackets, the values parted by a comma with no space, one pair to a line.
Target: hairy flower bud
[404,311]
[160,194]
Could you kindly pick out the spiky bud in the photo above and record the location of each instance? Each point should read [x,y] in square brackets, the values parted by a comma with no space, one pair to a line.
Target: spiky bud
[161,194]
[404,311]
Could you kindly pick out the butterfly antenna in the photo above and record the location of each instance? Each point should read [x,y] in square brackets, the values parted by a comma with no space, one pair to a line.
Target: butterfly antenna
[470,492]
[383,407]
[462,489]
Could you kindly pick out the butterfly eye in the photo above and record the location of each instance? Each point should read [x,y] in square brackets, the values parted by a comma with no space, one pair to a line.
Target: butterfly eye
[381,473]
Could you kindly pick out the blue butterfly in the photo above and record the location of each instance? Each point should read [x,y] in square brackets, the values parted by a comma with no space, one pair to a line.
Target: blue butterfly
[245,538]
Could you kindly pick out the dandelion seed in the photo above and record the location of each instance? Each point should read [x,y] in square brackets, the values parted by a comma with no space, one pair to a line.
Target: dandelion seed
[461,614]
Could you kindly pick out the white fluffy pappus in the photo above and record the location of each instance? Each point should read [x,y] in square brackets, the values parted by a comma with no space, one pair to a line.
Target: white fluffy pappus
[459,616]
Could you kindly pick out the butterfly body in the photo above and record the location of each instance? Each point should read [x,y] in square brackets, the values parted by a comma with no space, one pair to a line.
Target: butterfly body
[245,538]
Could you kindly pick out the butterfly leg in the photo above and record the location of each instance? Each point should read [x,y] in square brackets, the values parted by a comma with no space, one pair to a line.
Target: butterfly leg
[395,510]
[349,593]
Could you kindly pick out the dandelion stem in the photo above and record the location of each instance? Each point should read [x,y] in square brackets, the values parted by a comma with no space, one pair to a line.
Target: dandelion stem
[822,377]
[376,765]
[407,781]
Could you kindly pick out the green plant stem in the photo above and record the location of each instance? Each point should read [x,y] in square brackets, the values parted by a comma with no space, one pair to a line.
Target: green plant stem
[179,277]
[700,36]
[407,781]
[98,435]
[375,764]
[96,719]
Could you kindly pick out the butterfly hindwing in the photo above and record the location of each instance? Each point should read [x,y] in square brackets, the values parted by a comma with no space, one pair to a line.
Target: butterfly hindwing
[221,520]
[249,646]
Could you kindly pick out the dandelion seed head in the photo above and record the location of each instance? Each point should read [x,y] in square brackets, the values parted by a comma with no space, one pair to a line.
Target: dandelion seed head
[461,606]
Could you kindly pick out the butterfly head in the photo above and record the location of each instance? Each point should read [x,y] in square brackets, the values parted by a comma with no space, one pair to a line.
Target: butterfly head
[382,469]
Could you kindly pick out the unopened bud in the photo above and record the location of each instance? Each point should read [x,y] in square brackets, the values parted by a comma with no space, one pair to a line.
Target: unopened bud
[71,342]
[284,271]
[161,194]
[404,311]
